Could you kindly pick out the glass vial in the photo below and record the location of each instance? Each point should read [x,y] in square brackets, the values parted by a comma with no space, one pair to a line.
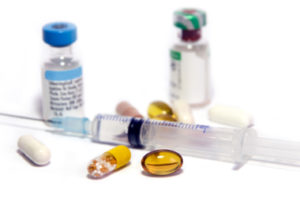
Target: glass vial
[61,72]
[189,78]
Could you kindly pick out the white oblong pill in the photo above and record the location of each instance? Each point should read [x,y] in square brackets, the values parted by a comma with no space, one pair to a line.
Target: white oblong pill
[231,116]
[183,111]
[37,152]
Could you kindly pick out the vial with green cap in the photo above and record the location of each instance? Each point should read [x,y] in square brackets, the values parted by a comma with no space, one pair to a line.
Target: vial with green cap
[61,72]
[189,78]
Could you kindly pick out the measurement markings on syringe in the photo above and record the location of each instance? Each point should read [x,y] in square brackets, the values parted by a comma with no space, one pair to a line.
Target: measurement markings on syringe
[177,125]
[114,118]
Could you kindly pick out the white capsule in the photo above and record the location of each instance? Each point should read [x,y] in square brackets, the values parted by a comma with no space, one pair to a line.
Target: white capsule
[37,152]
[183,111]
[231,116]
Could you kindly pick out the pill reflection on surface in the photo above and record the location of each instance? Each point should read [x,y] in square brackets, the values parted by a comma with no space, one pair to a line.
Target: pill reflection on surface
[162,162]
[34,150]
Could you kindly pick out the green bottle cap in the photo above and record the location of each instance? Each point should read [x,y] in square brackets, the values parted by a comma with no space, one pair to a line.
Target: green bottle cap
[190,19]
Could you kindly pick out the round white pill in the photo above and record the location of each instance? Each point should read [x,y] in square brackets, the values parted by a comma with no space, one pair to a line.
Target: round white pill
[37,152]
[183,111]
[231,116]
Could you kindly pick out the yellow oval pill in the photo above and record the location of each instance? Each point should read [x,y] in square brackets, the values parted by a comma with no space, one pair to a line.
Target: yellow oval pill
[162,162]
[158,108]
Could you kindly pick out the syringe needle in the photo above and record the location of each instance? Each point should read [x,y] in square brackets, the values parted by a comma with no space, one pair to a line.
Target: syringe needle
[28,118]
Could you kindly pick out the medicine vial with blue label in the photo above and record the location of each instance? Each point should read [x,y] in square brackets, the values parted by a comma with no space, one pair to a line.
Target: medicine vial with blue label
[189,78]
[61,72]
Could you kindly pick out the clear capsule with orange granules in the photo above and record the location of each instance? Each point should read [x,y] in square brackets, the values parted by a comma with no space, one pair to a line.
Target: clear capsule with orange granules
[109,161]
[162,162]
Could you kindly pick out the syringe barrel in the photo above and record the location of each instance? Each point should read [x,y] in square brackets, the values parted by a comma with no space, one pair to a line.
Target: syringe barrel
[274,151]
[224,144]
[111,129]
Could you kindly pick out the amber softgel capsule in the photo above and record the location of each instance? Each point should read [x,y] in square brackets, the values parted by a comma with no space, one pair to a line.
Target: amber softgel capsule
[109,161]
[161,111]
[162,162]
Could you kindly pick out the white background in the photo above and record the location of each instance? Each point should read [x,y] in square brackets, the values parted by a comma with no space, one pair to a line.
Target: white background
[124,49]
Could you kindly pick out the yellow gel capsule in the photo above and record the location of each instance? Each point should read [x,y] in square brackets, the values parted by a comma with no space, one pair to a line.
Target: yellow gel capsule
[162,162]
[109,161]
[159,108]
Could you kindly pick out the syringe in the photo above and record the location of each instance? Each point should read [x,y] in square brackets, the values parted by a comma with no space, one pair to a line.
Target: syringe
[223,144]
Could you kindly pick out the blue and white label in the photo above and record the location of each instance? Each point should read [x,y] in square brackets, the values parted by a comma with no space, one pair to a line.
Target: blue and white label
[63,75]
[62,92]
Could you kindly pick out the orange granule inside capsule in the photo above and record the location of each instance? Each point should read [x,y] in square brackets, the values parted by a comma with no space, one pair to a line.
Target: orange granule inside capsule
[109,161]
